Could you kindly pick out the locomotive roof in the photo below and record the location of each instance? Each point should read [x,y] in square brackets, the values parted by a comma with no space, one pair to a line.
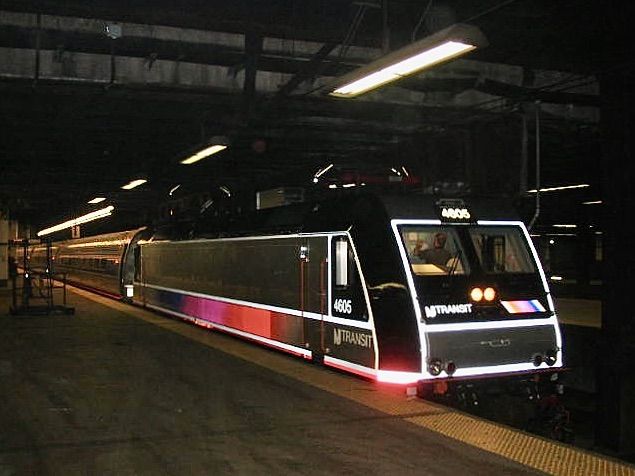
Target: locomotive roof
[339,213]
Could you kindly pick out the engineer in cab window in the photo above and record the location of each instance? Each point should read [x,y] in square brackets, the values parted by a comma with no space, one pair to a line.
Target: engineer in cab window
[437,255]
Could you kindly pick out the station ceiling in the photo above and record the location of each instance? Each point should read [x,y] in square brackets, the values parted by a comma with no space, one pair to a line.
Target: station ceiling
[95,94]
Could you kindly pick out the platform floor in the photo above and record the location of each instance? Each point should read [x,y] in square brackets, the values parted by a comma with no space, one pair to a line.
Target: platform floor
[116,389]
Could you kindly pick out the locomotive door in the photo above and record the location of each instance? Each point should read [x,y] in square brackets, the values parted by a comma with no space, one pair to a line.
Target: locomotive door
[313,273]
[349,337]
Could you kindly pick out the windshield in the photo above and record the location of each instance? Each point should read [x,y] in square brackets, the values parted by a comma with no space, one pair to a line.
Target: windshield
[501,249]
[442,250]
[434,250]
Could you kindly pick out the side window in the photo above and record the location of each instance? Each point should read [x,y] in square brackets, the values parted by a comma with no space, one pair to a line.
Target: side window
[344,263]
[137,263]
[347,296]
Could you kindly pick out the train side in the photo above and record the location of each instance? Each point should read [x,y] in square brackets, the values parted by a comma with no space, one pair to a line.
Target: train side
[279,290]
[97,263]
[352,286]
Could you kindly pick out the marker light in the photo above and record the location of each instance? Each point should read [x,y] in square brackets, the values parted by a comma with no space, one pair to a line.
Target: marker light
[476,294]
[442,46]
[489,294]
[435,367]
[551,357]
[450,368]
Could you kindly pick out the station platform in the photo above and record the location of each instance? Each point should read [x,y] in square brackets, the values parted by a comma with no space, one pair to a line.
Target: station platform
[116,389]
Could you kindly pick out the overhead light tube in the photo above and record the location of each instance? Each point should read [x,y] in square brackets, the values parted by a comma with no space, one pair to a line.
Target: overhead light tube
[96,215]
[97,200]
[447,44]
[555,189]
[211,150]
[133,184]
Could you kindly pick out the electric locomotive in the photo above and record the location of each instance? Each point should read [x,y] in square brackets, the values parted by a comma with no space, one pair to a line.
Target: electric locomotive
[402,289]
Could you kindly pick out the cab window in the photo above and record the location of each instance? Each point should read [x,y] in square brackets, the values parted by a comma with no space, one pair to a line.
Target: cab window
[433,250]
[502,250]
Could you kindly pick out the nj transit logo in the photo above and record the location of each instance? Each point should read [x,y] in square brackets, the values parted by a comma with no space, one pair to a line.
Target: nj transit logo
[449,309]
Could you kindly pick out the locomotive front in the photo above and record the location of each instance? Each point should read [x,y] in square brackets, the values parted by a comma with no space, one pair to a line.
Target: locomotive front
[480,295]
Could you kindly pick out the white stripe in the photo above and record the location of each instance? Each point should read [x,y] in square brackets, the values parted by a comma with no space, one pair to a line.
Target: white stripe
[423,338]
[243,238]
[468,326]
[397,377]
[282,310]
[345,363]
[274,343]
[371,318]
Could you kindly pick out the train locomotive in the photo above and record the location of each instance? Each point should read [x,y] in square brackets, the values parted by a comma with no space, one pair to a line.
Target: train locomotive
[405,289]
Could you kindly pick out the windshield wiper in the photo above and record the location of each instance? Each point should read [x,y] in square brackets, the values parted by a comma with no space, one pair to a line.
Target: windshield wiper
[455,263]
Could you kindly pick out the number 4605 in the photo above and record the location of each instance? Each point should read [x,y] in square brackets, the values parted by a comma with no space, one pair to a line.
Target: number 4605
[343,306]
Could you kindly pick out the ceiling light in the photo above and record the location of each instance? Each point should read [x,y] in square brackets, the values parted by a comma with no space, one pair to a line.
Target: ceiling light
[206,152]
[444,45]
[133,184]
[565,187]
[97,200]
[321,172]
[594,202]
[104,212]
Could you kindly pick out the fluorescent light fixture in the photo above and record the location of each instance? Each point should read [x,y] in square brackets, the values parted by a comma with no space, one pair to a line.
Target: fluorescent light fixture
[206,152]
[94,244]
[133,184]
[96,215]
[594,202]
[565,187]
[97,200]
[565,226]
[321,172]
[556,278]
[439,47]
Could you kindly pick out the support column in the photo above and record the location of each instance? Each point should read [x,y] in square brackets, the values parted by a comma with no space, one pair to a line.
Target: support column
[616,366]
[4,250]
